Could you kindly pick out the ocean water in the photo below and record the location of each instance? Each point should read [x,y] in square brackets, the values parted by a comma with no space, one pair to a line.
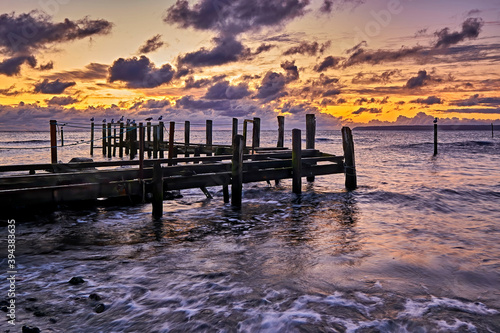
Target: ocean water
[416,248]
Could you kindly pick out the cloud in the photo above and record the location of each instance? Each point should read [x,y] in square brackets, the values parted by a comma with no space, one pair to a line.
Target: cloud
[48,66]
[272,86]
[28,33]
[325,80]
[329,5]
[470,30]
[307,48]
[361,56]
[476,100]
[234,16]
[418,81]
[140,72]
[91,72]
[331,92]
[429,100]
[152,44]
[328,62]
[223,90]
[61,100]
[226,50]
[152,104]
[292,72]
[12,66]
[474,110]
[190,82]
[367,110]
[188,102]
[384,77]
[54,87]
[11,91]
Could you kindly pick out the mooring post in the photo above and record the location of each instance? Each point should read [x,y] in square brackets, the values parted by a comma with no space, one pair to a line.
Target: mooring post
[104,139]
[171,136]
[256,134]
[187,134]
[109,142]
[155,141]
[133,145]
[141,151]
[209,136]
[92,138]
[148,140]
[62,136]
[114,140]
[120,142]
[127,139]
[310,136]
[349,162]
[53,141]
[296,161]
[245,127]
[161,138]
[435,136]
[235,128]
[237,171]
[157,191]
[281,131]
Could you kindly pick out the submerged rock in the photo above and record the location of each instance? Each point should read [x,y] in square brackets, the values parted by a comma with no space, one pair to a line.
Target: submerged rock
[99,308]
[95,297]
[76,280]
[30,329]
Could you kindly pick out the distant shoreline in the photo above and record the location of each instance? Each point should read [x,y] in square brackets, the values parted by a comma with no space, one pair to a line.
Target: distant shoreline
[428,128]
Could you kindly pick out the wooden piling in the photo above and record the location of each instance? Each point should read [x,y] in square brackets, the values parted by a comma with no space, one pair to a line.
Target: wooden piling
[187,134]
[109,142]
[245,131]
[120,142]
[310,135]
[132,142]
[349,161]
[492,130]
[141,150]
[104,139]
[171,136]
[157,191]
[209,136]
[62,136]
[296,161]
[161,132]
[435,137]
[92,138]
[256,133]
[53,141]
[281,132]
[237,171]
[156,130]
[114,141]
[148,140]
[127,139]
[235,129]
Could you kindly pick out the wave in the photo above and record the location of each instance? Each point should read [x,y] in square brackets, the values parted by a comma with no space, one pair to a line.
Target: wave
[25,141]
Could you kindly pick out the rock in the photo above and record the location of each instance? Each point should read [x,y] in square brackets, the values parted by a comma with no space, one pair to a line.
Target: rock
[39,313]
[31,299]
[76,280]
[30,329]
[53,320]
[99,308]
[95,297]
[80,160]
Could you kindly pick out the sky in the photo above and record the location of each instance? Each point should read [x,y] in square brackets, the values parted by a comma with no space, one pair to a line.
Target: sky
[350,62]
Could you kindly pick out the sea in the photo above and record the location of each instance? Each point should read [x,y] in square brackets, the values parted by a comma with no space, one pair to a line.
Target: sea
[415,248]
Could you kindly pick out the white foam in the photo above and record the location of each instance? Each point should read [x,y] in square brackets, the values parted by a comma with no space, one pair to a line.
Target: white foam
[419,308]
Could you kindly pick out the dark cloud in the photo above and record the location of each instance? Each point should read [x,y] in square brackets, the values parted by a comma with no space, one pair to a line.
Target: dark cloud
[307,48]
[325,80]
[226,50]
[470,30]
[361,56]
[152,104]
[92,71]
[331,92]
[329,5]
[384,77]
[292,72]
[28,33]
[474,110]
[152,44]
[328,62]
[223,90]
[429,100]
[61,100]
[272,86]
[12,66]
[367,110]
[357,47]
[140,73]
[46,67]
[11,91]
[476,100]
[418,81]
[55,87]
[234,16]
[190,82]
[188,102]
[263,48]
[183,71]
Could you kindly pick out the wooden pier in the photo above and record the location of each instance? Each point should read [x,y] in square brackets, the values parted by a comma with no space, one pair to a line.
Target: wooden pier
[187,166]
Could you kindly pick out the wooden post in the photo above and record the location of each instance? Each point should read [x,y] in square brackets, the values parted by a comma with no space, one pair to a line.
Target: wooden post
[157,191]
[53,141]
[109,140]
[187,134]
[92,138]
[148,140]
[310,136]
[492,130]
[141,150]
[155,140]
[281,131]
[296,161]
[237,171]
[245,127]
[235,128]
[256,133]
[435,137]
[114,140]
[127,139]
[120,143]
[104,139]
[161,129]
[62,136]
[171,137]
[209,136]
[349,162]
[132,143]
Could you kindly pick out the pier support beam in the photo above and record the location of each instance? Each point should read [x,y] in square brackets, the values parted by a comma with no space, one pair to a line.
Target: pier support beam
[235,128]
[256,133]
[120,142]
[157,191]
[141,150]
[237,171]
[349,162]
[92,125]
[187,135]
[296,161]
[171,136]
[161,130]
[310,135]
[209,136]
[109,142]
[104,139]
[148,137]
[435,137]
[281,131]
[53,141]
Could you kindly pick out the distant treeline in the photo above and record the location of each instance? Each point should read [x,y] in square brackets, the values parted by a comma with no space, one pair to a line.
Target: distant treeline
[428,128]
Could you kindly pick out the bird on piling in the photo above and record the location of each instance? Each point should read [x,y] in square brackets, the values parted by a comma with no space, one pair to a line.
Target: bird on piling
[92,119]
[128,121]
[121,119]
[160,118]
[149,119]
[104,120]
[435,120]
[113,120]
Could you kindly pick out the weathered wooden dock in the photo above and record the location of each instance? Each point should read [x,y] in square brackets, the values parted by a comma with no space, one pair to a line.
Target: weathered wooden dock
[187,166]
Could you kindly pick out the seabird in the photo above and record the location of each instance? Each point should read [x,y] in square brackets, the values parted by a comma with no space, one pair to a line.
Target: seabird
[121,119]
[113,121]
[104,120]
[160,118]
[92,119]
[149,119]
